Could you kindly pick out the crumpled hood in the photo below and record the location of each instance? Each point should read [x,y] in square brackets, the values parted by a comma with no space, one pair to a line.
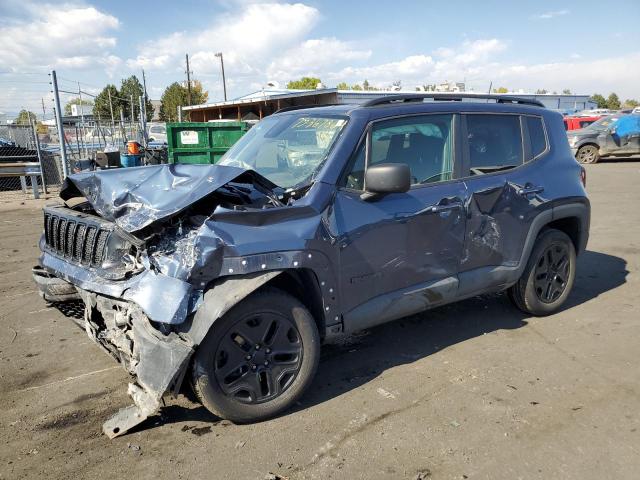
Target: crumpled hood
[134,198]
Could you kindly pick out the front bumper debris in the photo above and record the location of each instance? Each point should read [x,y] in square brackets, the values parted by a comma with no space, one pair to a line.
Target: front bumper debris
[157,361]
[53,289]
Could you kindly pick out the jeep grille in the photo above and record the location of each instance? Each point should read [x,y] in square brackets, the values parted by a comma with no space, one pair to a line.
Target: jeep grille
[71,238]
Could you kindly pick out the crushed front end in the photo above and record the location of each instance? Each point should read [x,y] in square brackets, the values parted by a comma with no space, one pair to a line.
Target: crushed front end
[139,265]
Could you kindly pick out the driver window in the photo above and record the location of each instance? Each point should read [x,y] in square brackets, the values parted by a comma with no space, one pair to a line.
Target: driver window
[424,143]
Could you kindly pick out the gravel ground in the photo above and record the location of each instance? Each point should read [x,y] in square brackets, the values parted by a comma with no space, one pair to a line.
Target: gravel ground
[471,390]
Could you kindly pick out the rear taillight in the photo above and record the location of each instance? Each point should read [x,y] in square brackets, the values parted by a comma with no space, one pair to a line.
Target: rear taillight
[583,176]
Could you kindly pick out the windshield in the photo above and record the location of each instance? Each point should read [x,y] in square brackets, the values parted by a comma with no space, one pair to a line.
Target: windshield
[286,149]
[603,123]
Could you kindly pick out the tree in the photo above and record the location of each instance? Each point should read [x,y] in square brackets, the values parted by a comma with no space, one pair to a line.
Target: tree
[177,95]
[566,91]
[356,87]
[501,90]
[305,83]
[365,84]
[173,96]
[601,102]
[342,86]
[541,91]
[613,102]
[132,86]
[630,103]
[101,107]
[76,101]
[23,117]
[198,94]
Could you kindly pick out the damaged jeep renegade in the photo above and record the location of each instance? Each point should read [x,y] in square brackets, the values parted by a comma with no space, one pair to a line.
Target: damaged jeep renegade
[319,222]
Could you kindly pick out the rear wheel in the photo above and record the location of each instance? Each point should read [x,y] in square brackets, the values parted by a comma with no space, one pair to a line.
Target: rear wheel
[588,154]
[549,275]
[257,359]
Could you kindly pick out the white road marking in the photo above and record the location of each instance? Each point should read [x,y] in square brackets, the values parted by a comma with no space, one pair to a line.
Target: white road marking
[68,379]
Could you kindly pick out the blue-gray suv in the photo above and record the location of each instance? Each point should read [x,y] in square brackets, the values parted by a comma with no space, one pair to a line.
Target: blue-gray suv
[317,223]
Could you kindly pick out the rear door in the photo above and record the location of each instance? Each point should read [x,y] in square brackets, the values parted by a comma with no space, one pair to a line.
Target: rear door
[506,192]
[399,253]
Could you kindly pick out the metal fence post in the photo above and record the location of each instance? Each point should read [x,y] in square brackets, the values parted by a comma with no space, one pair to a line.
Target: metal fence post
[63,151]
[143,122]
[37,143]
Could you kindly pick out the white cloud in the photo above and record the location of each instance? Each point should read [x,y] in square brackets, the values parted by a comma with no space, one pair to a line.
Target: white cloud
[246,38]
[480,62]
[619,74]
[444,63]
[551,14]
[312,57]
[64,35]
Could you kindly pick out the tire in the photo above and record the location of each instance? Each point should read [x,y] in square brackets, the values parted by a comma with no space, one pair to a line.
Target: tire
[275,365]
[588,154]
[547,280]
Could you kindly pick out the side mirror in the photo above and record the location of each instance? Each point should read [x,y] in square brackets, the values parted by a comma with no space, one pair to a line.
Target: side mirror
[386,178]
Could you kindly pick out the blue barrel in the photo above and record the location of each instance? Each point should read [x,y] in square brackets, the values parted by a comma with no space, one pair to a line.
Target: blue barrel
[127,160]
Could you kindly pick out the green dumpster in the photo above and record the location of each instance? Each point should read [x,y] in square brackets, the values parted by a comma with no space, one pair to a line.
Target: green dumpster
[202,142]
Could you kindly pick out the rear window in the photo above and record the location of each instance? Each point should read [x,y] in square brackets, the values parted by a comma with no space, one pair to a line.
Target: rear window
[536,136]
[494,143]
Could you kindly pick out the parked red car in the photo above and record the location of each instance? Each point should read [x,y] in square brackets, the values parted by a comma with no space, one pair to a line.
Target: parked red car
[574,123]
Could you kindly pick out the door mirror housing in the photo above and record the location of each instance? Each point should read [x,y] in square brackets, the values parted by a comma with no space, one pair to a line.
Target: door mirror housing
[386,178]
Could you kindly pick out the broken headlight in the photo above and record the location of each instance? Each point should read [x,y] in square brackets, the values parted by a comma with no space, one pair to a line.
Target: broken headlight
[120,257]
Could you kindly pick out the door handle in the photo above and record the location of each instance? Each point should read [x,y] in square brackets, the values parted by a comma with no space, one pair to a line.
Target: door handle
[528,190]
[444,208]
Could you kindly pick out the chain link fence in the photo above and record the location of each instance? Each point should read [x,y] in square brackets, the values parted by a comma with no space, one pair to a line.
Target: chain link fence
[26,169]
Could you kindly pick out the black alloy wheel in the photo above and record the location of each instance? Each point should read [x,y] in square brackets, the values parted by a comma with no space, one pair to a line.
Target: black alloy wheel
[259,357]
[552,273]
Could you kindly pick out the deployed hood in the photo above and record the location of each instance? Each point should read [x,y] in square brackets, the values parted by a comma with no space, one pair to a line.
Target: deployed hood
[134,198]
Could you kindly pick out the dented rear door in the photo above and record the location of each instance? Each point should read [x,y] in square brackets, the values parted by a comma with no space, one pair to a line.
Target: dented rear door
[505,194]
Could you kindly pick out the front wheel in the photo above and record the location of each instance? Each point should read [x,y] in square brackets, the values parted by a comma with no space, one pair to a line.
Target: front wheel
[549,275]
[588,154]
[258,359]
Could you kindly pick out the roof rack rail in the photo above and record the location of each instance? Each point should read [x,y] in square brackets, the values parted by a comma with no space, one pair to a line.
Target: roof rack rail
[300,107]
[453,97]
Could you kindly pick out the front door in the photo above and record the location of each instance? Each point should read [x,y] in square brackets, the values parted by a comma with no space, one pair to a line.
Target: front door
[399,253]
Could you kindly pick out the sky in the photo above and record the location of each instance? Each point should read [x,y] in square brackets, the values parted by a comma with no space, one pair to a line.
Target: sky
[519,45]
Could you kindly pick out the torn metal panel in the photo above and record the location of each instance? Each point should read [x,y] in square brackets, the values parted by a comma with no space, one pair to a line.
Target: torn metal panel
[157,360]
[134,198]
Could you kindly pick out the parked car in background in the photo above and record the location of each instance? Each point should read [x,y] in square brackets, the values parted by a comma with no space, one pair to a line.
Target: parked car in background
[611,136]
[157,132]
[595,112]
[318,222]
[575,123]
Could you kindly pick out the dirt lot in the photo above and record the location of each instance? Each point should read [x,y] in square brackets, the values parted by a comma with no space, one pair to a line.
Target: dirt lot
[473,390]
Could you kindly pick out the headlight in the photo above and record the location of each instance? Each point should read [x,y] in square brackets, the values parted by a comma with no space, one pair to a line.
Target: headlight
[119,257]
[573,141]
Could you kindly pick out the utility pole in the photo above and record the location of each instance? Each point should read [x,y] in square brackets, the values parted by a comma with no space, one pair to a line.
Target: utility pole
[63,151]
[143,123]
[113,123]
[179,113]
[188,81]
[224,81]
[133,112]
[86,148]
[144,86]
[43,109]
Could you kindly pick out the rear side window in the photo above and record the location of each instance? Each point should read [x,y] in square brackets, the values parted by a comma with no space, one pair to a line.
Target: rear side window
[494,143]
[536,135]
